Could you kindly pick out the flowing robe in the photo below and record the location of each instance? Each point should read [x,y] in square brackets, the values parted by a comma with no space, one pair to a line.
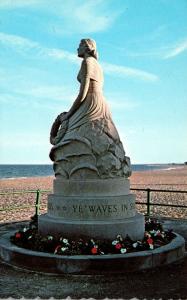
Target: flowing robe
[88,144]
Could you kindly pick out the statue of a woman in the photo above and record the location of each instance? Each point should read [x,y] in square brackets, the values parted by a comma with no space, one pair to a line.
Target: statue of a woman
[86,142]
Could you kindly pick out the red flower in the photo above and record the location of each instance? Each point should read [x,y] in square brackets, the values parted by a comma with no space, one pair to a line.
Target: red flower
[57,248]
[150,241]
[94,250]
[118,246]
[18,235]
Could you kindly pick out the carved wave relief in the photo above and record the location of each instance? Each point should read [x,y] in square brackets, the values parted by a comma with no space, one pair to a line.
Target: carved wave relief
[90,152]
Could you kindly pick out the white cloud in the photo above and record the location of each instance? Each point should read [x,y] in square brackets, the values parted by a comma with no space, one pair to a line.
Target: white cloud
[51,92]
[91,17]
[123,71]
[80,16]
[164,52]
[17,41]
[62,54]
[39,51]
[12,99]
[75,15]
[19,100]
[122,102]
[178,49]
[110,69]
[53,98]
[156,53]
[25,46]
[10,4]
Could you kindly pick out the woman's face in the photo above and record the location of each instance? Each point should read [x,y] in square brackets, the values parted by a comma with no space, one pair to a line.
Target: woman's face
[82,49]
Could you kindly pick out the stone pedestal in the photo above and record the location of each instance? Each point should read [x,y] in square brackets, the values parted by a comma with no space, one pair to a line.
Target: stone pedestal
[92,208]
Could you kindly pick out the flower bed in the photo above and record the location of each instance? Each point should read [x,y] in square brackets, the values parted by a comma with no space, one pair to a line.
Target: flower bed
[154,237]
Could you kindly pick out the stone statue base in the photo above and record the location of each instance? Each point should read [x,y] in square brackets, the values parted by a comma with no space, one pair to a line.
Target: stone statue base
[93,229]
[92,208]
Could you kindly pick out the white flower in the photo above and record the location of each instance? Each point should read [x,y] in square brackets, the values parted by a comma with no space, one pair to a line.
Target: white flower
[63,249]
[151,246]
[147,234]
[157,233]
[135,245]
[56,250]
[65,241]
[30,237]
[119,237]
[50,237]
[25,229]
[115,242]
[123,250]
[152,232]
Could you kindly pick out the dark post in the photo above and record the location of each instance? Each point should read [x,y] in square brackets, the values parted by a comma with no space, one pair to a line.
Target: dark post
[148,201]
[37,205]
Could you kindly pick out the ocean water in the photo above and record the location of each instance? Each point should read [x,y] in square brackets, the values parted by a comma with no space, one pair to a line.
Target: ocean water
[15,171]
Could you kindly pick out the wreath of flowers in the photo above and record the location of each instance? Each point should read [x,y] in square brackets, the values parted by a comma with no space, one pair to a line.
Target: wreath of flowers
[154,237]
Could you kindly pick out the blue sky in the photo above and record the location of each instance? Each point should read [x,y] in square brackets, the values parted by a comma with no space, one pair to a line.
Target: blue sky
[142,48]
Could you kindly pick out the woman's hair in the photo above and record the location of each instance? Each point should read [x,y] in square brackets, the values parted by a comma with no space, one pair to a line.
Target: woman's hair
[90,47]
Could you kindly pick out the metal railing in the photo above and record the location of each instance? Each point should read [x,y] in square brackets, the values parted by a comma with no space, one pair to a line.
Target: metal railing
[37,201]
[148,202]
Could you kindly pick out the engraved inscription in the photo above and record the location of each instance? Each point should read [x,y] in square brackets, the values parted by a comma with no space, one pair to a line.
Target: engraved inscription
[89,209]
[78,208]
[124,207]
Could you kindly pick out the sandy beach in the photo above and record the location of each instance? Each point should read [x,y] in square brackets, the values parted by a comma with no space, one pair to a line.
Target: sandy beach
[170,179]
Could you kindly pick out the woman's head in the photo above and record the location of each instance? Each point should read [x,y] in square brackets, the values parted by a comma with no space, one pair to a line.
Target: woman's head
[87,46]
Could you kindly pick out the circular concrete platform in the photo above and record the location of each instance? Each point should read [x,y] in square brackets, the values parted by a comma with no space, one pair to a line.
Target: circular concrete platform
[90,264]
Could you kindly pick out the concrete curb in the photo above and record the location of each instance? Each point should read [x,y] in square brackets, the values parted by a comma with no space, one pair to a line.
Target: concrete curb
[89,264]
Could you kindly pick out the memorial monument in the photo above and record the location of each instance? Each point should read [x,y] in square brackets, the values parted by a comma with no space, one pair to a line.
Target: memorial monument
[91,197]
[91,192]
